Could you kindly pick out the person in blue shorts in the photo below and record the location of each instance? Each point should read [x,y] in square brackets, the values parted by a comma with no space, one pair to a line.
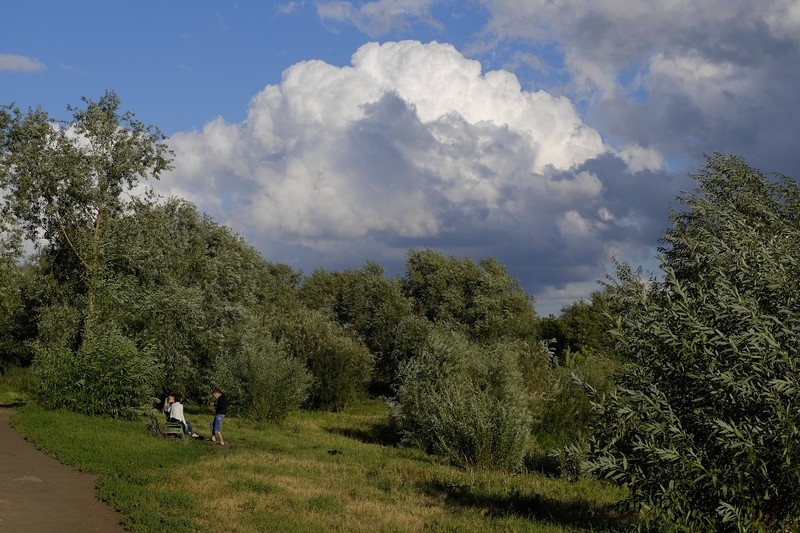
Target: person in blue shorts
[220,410]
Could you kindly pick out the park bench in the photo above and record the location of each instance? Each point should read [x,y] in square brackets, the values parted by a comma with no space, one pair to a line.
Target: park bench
[164,429]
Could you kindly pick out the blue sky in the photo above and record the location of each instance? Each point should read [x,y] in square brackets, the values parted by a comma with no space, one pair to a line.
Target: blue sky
[553,136]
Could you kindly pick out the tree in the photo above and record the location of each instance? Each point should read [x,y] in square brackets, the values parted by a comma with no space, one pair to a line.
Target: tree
[259,375]
[15,317]
[480,299]
[705,428]
[582,327]
[582,346]
[65,186]
[108,375]
[64,182]
[195,291]
[339,363]
[368,303]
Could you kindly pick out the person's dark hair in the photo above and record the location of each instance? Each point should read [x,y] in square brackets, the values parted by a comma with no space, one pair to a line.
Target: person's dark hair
[216,390]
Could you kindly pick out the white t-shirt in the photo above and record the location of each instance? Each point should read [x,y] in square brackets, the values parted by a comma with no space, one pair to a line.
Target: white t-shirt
[176,411]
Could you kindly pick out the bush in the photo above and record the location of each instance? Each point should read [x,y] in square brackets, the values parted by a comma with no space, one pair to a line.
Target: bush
[261,380]
[340,365]
[464,402]
[17,385]
[567,410]
[479,299]
[365,302]
[106,375]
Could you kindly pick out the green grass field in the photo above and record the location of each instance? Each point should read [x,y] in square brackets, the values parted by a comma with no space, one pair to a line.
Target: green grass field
[315,472]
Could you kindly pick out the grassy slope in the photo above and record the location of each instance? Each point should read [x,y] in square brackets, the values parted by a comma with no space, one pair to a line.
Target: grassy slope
[284,478]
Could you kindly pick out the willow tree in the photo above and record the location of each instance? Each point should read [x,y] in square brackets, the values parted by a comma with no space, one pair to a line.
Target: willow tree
[64,180]
[705,427]
[65,184]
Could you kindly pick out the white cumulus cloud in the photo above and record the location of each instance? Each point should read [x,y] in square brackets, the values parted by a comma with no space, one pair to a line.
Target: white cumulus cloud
[409,145]
[661,81]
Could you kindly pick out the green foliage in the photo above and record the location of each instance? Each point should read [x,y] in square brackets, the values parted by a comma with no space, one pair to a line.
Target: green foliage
[59,332]
[107,375]
[13,314]
[61,179]
[261,380]
[189,287]
[63,183]
[464,402]
[64,187]
[582,327]
[17,386]
[340,365]
[567,411]
[374,307]
[704,427]
[480,299]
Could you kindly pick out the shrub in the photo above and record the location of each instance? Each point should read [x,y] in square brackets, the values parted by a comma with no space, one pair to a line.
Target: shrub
[466,403]
[339,364]
[567,410]
[365,302]
[106,375]
[262,381]
[480,299]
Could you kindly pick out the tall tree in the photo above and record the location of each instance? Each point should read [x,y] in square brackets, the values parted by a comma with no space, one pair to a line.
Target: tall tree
[187,286]
[64,181]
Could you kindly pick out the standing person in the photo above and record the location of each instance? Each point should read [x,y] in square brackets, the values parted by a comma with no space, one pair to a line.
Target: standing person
[220,410]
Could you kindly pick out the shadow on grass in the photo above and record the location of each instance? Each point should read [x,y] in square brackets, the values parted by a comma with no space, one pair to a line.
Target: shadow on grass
[544,464]
[377,433]
[576,514]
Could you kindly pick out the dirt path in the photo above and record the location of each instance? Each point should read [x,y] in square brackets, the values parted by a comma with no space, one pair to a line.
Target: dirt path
[40,495]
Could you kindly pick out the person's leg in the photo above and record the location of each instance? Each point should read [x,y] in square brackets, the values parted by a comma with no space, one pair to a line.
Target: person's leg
[218,429]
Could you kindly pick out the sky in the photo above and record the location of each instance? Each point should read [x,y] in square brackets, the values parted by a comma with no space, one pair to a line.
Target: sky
[552,135]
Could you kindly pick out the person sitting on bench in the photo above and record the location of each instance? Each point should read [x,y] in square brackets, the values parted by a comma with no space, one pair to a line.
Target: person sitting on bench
[174,408]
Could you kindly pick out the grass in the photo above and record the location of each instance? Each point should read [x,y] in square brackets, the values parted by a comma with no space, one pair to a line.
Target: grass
[15,384]
[315,472]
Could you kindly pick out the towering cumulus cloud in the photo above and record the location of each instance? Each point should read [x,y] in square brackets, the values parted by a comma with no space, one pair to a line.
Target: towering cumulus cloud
[412,145]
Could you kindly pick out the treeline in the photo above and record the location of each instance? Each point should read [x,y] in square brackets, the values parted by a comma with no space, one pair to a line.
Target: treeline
[130,297]
[682,387]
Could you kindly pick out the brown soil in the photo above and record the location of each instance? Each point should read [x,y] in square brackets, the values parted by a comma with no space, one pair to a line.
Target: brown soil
[40,495]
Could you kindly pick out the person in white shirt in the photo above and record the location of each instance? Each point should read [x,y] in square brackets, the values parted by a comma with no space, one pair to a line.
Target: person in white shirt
[175,410]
